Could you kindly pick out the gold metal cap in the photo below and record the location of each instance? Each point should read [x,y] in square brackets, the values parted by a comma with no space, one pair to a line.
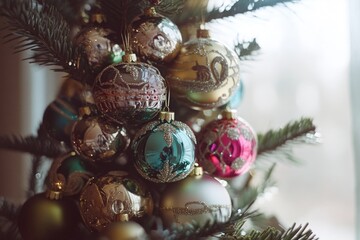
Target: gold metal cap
[129,58]
[150,11]
[98,18]
[197,171]
[55,193]
[229,114]
[167,116]
[203,33]
[84,111]
[122,217]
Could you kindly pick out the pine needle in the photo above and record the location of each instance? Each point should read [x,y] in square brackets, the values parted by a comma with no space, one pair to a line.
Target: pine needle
[33,145]
[46,33]
[243,6]
[302,131]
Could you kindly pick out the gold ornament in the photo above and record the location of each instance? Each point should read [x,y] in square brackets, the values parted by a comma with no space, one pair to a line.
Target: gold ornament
[97,139]
[114,193]
[155,37]
[198,198]
[205,73]
[42,218]
[123,230]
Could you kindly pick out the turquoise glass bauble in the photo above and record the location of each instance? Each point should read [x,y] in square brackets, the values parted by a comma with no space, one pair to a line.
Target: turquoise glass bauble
[58,119]
[164,150]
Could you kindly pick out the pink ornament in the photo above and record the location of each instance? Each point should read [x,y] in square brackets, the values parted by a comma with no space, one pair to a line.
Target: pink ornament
[227,147]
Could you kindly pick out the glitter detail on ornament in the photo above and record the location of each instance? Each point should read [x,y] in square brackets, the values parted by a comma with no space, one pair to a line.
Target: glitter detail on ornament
[227,147]
[164,151]
[130,93]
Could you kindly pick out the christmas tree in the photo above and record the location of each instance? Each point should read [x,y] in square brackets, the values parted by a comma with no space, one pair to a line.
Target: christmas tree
[143,137]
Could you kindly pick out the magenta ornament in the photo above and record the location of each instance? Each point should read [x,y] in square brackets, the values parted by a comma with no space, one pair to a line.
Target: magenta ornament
[227,147]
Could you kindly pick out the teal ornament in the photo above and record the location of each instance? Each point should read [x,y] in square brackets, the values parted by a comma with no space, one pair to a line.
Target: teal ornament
[58,119]
[72,164]
[164,150]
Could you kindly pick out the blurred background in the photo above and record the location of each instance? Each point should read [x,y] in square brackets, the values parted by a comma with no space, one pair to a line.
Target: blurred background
[302,69]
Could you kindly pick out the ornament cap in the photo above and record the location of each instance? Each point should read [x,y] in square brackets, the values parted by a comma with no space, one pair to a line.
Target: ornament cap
[229,114]
[122,217]
[98,18]
[83,111]
[129,58]
[197,171]
[56,191]
[203,33]
[167,116]
[150,11]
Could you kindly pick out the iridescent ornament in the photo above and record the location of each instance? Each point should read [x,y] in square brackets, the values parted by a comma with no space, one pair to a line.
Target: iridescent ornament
[129,92]
[205,74]
[199,199]
[227,147]
[164,150]
[99,43]
[114,193]
[123,229]
[98,140]
[48,216]
[155,37]
[58,119]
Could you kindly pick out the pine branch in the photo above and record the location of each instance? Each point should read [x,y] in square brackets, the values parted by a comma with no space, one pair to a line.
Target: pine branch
[243,6]
[120,13]
[293,233]
[46,33]
[245,49]
[298,131]
[69,9]
[248,194]
[192,231]
[8,210]
[8,221]
[33,145]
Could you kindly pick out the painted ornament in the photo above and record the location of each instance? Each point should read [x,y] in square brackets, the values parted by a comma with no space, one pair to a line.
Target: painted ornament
[99,43]
[164,150]
[104,197]
[98,140]
[205,74]
[227,147]
[129,92]
[199,199]
[155,37]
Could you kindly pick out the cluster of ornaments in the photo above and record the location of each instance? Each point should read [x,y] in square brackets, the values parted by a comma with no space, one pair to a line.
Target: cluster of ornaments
[121,115]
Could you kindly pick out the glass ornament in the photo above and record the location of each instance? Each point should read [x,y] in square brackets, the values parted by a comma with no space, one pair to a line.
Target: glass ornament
[155,37]
[205,74]
[227,147]
[164,150]
[58,119]
[104,197]
[199,199]
[98,140]
[42,218]
[129,92]
[99,43]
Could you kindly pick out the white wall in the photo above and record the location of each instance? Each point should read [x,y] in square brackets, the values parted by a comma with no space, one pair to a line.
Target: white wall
[303,70]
